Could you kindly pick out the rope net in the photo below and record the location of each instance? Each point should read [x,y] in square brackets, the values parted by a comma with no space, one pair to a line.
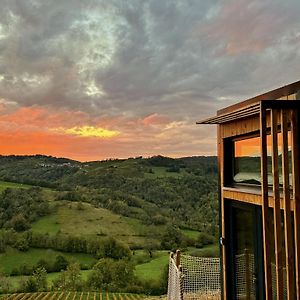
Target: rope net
[198,278]
[201,277]
[174,281]
[195,278]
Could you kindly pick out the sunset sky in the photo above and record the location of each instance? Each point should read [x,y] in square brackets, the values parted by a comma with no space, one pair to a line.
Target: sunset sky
[96,79]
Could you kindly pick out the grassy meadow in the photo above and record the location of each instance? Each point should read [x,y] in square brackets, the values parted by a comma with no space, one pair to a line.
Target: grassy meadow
[83,219]
[4,185]
[13,258]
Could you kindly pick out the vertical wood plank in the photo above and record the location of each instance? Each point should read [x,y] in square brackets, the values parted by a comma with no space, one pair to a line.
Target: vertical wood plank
[287,208]
[178,253]
[222,204]
[296,193]
[264,187]
[277,214]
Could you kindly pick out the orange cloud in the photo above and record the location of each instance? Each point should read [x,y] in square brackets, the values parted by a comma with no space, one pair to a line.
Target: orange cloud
[77,135]
[89,131]
[155,119]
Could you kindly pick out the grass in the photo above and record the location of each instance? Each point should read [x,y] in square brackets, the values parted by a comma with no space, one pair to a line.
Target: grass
[15,280]
[153,270]
[13,258]
[207,251]
[4,185]
[47,224]
[87,220]
[150,268]
[193,234]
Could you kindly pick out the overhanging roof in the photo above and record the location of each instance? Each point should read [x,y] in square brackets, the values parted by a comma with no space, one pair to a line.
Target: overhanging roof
[250,106]
[237,114]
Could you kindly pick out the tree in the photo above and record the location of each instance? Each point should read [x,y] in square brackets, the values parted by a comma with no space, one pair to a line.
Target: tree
[42,263]
[123,274]
[113,275]
[60,263]
[113,249]
[204,239]
[40,276]
[101,276]
[19,223]
[21,244]
[30,285]
[70,279]
[172,238]
[5,285]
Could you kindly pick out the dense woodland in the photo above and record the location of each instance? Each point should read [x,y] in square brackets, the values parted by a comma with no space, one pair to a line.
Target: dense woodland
[163,194]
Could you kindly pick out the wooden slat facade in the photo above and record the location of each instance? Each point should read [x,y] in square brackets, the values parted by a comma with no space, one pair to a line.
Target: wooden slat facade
[277,213]
[287,207]
[296,193]
[265,202]
[278,117]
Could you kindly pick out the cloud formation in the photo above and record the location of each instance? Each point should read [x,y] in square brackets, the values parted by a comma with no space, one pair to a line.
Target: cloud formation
[147,69]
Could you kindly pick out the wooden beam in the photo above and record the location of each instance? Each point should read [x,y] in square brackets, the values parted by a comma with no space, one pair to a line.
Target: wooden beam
[287,208]
[250,197]
[277,214]
[265,204]
[296,193]
[222,204]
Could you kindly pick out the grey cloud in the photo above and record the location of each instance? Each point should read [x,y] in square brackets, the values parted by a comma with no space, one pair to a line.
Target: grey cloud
[139,57]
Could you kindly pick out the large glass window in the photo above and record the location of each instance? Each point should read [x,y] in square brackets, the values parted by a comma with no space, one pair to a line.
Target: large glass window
[247,160]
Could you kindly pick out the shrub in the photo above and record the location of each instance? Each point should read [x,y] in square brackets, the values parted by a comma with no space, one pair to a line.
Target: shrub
[61,263]
[19,223]
[21,244]
[204,239]
[112,275]
[69,280]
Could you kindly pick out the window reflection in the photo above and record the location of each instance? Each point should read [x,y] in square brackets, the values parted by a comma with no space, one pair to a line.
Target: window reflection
[247,160]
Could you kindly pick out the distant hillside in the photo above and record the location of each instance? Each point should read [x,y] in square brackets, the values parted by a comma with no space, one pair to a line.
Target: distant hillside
[36,169]
[127,213]
[156,191]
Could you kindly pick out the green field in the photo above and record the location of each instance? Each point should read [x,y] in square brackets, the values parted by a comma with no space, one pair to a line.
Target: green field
[73,296]
[193,234]
[4,185]
[153,270]
[91,221]
[13,258]
[212,250]
[15,280]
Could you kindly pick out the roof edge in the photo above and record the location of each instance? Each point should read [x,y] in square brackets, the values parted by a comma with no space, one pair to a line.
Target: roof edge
[271,95]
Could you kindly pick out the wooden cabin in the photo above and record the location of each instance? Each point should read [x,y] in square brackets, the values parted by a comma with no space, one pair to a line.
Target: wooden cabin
[258,155]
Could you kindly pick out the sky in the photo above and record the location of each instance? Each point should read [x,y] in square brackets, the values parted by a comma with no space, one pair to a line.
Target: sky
[94,79]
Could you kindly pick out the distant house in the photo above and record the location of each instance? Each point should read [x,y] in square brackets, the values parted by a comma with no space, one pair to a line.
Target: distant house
[258,153]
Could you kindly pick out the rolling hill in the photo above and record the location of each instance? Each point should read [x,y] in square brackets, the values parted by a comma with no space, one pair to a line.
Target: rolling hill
[135,208]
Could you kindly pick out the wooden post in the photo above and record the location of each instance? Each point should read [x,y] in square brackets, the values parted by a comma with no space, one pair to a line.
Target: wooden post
[222,207]
[181,281]
[296,193]
[277,213]
[287,208]
[265,201]
[177,258]
[247,274]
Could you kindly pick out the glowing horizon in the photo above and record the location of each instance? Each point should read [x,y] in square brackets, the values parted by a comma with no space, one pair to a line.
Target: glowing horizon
[98,79]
